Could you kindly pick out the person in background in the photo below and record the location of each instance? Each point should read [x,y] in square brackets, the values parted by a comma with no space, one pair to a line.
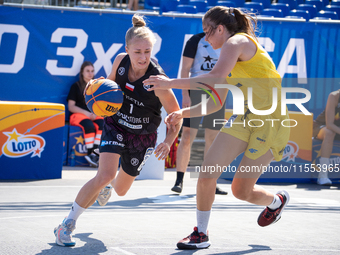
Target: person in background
[326,127]
[81,116]
[198,58]
[133,5]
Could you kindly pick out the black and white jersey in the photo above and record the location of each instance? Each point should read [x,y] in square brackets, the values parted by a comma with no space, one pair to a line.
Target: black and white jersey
[205,57]
[141,109]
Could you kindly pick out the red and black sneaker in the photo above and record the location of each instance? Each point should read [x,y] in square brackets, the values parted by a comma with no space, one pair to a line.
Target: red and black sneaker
[194,241]
[269,216]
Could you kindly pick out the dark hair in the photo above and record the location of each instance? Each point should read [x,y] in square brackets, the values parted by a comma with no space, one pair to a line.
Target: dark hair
[235,20]
[81,82]
[139,30]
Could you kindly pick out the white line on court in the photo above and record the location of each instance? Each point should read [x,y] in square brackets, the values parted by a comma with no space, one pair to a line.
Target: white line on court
[227,248]
[121,250]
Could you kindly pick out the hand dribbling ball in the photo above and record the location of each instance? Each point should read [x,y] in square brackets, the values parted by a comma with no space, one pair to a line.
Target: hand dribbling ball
[104,97]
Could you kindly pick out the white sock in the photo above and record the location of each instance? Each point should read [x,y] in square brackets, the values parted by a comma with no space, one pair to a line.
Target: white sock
[75,211]
[323,162]
[276,203]
[202,220]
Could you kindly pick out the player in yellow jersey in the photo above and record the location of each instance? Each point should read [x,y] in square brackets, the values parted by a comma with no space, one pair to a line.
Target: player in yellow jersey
[262,138]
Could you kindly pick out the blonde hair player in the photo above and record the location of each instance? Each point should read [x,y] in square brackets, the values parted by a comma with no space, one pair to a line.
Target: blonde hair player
[245,64]
[124,136]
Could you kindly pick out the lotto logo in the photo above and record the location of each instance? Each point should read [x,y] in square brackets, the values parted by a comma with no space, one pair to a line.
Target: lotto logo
[20,145]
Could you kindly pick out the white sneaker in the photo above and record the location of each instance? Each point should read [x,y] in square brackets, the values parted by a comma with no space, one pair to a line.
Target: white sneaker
[323,179]
[63,233]
[104,195]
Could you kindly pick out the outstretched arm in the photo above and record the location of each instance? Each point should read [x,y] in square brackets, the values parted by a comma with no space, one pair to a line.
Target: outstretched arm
[170,104]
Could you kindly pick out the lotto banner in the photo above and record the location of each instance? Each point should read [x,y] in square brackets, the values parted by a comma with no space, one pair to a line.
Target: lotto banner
[41,50]
[31,140]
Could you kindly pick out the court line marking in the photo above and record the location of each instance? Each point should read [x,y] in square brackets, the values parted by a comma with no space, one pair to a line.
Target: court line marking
[226,248]
[123,251]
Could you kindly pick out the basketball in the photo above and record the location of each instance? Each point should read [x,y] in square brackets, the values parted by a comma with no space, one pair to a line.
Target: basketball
[104,97]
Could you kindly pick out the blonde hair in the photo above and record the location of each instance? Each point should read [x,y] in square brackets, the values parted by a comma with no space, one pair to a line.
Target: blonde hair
[235,20]
[139,30]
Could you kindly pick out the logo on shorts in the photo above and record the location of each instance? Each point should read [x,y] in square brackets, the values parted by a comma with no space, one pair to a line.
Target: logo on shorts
[252,150]
[134,161]
[261,140]
[119,137]
[121,71]
[146,156]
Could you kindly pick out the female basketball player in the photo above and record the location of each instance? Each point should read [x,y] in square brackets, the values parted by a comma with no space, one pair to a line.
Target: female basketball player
[131,133]
[245,64]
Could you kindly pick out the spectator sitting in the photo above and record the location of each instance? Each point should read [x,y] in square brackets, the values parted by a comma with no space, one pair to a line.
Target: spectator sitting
[91,124]
[326,127]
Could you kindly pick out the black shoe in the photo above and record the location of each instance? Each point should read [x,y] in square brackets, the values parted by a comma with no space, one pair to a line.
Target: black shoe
[220,192]
[194,241]
[92,159]
[177,188]
[269,216]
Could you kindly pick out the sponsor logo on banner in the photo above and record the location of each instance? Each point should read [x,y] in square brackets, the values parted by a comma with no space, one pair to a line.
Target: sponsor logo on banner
[80,146]
[20,145]
[291,151]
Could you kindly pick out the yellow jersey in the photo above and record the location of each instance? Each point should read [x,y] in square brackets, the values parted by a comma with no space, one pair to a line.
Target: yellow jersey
[260,73]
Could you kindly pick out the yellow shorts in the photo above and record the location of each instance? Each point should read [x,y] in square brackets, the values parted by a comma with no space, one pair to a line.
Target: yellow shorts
[262,133]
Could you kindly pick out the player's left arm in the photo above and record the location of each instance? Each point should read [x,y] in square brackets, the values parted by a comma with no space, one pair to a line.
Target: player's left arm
[170,104]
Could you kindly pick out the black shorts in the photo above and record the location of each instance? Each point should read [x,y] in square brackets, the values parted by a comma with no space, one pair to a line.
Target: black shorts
[208,120]
[133,149]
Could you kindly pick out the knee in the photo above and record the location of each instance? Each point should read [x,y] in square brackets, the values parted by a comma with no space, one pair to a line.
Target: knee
[104,179]
[329,134]
[185,139]
[241,193]
[206,182]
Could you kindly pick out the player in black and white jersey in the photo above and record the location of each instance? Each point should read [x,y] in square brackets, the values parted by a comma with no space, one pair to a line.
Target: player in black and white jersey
[198,58]
[131,134]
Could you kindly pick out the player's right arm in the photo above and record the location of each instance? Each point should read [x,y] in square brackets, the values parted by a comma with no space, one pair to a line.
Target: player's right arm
[116,62]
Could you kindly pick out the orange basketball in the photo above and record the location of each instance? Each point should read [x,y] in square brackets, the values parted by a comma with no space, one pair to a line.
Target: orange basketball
[104,97]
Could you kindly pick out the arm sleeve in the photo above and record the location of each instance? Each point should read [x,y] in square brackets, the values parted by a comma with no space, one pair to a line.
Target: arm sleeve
[190,48]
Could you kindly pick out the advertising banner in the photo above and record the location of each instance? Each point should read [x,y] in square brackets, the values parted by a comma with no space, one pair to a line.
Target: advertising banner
[41,50]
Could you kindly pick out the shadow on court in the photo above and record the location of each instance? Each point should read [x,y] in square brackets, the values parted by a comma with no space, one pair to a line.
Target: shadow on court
[91,246]
[254,248]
